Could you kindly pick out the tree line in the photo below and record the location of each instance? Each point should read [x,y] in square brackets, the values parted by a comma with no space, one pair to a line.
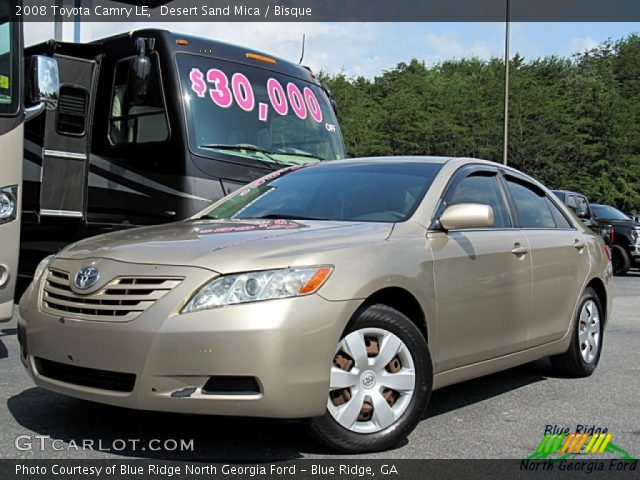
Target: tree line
[574,123]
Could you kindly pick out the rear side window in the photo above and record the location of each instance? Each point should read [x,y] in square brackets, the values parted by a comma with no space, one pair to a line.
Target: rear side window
[533,207]
[558,216]
[483,187]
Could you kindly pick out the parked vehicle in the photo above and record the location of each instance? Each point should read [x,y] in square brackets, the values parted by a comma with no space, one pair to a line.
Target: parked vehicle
[15,109]
[154,126]
[581,207]
[626,243]
[341,292]
[619,233]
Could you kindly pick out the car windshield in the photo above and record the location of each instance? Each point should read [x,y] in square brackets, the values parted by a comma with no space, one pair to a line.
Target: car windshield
[253,113]
[341,191]
[609,213]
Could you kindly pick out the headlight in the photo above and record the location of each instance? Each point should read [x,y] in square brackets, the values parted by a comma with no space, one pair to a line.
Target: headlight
[634,235]
[258,286]
[42,267]
[8,204]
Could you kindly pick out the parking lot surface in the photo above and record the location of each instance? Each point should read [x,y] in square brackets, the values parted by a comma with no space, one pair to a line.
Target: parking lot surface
[498,416]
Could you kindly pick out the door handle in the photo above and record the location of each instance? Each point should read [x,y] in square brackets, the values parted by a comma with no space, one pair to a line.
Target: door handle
[519,249]
[578,245]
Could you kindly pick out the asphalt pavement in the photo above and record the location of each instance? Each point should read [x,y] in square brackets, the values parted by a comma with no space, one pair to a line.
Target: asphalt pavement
[498,416]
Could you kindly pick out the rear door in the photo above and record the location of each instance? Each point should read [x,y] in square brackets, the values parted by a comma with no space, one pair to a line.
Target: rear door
[65,164]
[558,255]
[482,277]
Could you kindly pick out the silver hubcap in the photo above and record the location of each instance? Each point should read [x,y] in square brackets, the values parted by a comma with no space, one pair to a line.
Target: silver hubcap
[372,380]
[589,331]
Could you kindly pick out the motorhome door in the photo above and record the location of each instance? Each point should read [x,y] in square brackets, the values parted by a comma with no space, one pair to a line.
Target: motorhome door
[67,140]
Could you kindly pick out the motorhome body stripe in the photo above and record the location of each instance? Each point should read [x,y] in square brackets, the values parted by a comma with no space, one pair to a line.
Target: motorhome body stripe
[135,177]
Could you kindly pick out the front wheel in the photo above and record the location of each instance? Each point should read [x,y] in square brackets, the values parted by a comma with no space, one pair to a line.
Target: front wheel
[582,357]
[380,383]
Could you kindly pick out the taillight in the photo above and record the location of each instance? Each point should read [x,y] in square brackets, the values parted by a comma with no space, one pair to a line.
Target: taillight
[607,251]
[612,235]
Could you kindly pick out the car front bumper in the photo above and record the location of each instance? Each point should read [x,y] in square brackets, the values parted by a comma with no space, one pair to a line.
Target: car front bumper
[284,346]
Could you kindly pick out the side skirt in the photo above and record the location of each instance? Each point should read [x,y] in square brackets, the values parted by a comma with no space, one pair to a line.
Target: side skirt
[493,365]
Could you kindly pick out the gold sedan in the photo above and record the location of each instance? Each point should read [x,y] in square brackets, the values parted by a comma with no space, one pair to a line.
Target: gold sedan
[342,293]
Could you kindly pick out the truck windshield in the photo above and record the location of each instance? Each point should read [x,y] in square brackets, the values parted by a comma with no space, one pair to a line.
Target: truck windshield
[7,82]
[254,113]
[608,213]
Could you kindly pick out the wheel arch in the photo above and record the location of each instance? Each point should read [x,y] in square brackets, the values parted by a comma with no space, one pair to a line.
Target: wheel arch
[601,291]
[402,300]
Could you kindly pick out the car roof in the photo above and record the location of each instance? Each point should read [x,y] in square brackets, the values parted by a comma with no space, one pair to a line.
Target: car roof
[568,191]
[459,161]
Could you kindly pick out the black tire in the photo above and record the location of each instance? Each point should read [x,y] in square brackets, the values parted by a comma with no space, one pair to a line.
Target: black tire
[620,260]
[572,363]
[337,437]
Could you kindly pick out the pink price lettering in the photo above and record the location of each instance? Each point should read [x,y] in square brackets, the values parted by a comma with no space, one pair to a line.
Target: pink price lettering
[224,92]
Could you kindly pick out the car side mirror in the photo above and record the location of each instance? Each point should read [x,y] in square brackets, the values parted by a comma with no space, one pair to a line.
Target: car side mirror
[467,215]
[139,74]
[583,214]
[43,85]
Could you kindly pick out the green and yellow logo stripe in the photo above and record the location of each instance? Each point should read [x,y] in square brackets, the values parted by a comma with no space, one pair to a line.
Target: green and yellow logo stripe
[567,446]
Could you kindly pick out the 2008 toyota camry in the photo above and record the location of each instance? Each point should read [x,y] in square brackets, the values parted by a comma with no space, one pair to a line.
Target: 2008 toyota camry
[342,293]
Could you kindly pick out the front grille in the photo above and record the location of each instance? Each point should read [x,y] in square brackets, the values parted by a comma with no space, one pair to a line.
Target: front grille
[86,377]
[121,300]
[228,385]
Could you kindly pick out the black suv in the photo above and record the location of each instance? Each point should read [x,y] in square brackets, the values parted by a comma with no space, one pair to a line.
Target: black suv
[626,241]
[619,231]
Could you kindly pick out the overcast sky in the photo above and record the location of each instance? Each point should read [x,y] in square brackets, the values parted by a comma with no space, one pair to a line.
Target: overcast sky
[370,48]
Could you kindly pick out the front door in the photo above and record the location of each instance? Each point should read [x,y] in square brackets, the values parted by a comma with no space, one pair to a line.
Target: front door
[482,278]
[67,139]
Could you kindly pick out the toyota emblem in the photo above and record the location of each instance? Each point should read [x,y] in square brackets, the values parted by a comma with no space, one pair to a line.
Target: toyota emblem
[87,277]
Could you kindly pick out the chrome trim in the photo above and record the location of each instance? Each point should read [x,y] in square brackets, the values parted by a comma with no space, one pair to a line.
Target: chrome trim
[61,213]
[62,154]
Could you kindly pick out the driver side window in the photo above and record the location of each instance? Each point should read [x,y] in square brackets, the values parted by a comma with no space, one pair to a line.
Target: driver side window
[483,187]
[137,121]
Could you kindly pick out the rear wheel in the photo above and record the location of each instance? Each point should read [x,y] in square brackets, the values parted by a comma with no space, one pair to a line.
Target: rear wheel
[582,357]
[620,260]
[380,383]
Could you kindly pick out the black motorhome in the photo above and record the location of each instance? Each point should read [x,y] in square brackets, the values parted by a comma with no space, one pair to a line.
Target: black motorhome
[153,126]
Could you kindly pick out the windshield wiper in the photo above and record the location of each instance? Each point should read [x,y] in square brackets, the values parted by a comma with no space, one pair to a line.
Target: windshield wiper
[284,216]
[249,147]
[298,153]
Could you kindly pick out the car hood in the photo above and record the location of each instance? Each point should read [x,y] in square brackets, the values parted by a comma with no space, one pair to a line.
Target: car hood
[626,223]
[227,245]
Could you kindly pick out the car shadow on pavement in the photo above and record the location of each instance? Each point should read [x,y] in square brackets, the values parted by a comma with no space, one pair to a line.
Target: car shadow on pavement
[215,438]
[4,353]
[482,388]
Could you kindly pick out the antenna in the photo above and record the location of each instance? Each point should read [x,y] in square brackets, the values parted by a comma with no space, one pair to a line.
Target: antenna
[302,56]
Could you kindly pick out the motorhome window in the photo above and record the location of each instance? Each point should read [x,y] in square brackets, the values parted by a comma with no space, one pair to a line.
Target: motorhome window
[250,113]
[8,82]
[142,121]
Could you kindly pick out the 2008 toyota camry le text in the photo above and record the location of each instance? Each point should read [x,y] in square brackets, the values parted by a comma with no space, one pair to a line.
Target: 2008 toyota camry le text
[340,293]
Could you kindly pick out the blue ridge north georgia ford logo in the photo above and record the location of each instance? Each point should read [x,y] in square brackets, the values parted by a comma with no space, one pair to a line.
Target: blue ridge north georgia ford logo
[87,277]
